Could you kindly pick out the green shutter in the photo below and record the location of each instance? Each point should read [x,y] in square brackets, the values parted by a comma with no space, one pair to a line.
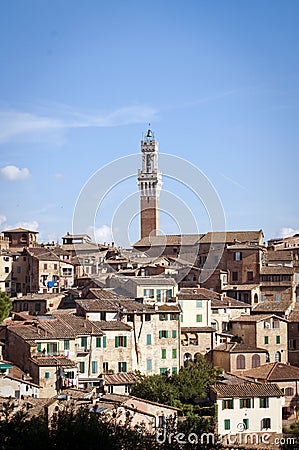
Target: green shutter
[94,367]
[47,374]
[104,341]
[266,339]
[39,347]
[98,342]
[125,341]
[158,295]
[163,353]
[148,339]
[277,339]
[66,344]
[166,333]
[199,318]
[160,334]
[116,341]
[174,353]
[174,370]
[161,317]
[241,403]
[125,367]
[174,334]
[227,424]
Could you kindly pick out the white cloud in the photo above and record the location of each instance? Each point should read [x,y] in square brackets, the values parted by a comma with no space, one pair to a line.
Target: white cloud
[13,173]
[286,232]
[58,175]
[101,234]
[16,124]
[2,219]
[31,225]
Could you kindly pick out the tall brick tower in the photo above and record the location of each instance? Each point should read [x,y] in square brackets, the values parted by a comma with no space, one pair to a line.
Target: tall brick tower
[150,183]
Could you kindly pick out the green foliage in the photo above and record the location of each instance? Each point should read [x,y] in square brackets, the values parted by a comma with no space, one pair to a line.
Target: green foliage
[85,429]
[291,437]
[191,383]
[5,306]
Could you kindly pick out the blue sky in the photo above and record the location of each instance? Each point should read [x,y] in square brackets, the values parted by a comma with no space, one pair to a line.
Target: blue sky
[80,81]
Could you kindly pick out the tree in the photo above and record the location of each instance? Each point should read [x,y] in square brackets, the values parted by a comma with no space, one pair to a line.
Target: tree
[5,306]
[156,388]
[194,380]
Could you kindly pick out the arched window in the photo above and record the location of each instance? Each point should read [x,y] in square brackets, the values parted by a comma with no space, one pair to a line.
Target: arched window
[240,362]
[277,356]
[187,358]
[256,361]
[256,299]
[24,238]
[289,392]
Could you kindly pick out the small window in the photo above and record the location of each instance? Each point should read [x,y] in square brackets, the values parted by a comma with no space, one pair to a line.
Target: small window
[105,366]
[174,353]
[149,364]
[18,269]
[147,317]
[228,404]
[98,342]
[130,317]
[47,375]
[245,403]
[174,334]
[148,339]
[277,339]
[6,269]
[45,266]
[82,367]
[266,340]
[246,424]
[163,317]
[235,276]
[266,424]
[240,362]
[163,334]
[250,276]
[66,344]
[277,297]
[227,424]
[94,366]
[174,370]
[198,317]
[120,341]
[198,303]
[237,256]
[122,367]
[163,370]
[289,392]
[84,342]
[110,389]
[55,266]
[264,402]
[163,353]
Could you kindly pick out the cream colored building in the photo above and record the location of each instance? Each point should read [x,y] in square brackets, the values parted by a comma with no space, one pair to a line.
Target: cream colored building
[248,408]
[5,271]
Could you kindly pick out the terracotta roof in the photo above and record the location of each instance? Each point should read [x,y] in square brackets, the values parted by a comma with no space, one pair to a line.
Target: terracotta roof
[197,294]
[114,305]
[272,306]
[246,246]
[240,287]
[52,361]
[256,317]
[20,230]
[166,240]
[235,347]
[169,308]
[120,378]
[60,326]
[294,316]
[104,294]
[246,390]
[43,254]
[198,330]
[232,237]
[276,270]
[112,325]
[228,302]
[279,255]
[275,371]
